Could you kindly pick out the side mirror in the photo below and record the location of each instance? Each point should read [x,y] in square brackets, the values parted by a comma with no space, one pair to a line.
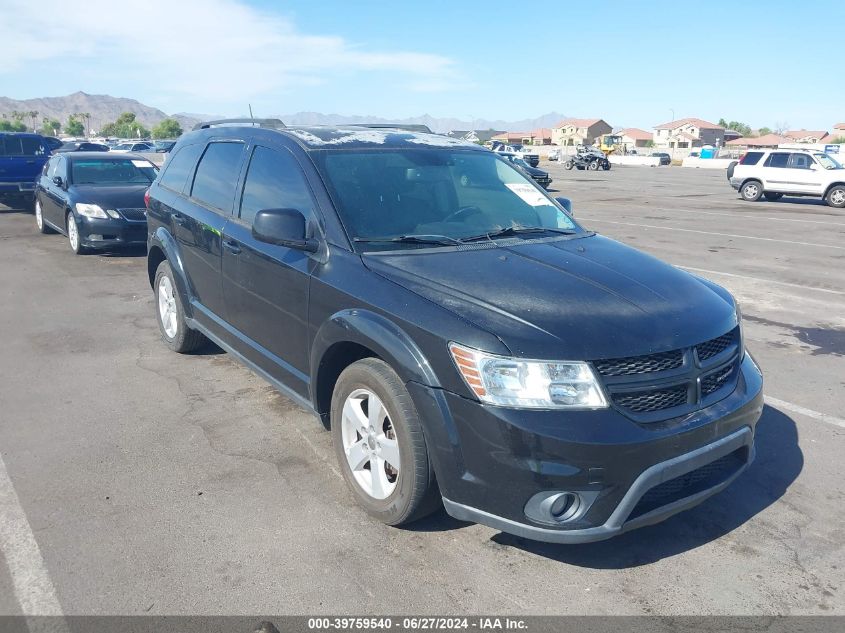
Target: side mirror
[566,203]
[284,227]
[57,180]
[813,166]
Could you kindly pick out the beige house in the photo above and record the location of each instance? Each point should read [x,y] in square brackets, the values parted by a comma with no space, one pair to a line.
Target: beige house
[807,136]
[689,132]
[579,131]
[635,137]
[838,130]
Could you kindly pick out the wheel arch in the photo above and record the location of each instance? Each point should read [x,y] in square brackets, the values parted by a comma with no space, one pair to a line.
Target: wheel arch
[351,335]
[163,247]
[838,183]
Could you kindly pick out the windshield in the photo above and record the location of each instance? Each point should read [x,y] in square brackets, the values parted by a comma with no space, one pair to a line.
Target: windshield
[451,194]
[826,161]
[109,171]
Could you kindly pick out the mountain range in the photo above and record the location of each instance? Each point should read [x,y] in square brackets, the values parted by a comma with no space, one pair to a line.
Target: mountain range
[105,108]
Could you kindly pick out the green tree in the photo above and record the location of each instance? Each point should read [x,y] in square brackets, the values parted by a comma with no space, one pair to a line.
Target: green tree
[125,127]
[74,126]
[14,125]
[839,140]
[764,130]
[167,128]
[50,127]
[742,128]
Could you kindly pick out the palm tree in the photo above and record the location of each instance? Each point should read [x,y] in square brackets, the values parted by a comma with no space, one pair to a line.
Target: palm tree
[33,116]
[87,117]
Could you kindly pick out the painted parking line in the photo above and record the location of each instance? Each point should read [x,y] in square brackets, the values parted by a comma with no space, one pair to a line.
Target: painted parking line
[763,280]
[33,588]
[744,216]
[745,237]
[815,415]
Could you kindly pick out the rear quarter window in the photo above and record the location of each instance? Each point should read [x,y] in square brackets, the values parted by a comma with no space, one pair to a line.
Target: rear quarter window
[179,167]
[751,158]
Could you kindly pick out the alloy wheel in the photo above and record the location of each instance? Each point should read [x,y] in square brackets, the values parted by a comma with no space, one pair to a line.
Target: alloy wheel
[167,307]
[39,219]
[370,444]
[72,233]
[837,197]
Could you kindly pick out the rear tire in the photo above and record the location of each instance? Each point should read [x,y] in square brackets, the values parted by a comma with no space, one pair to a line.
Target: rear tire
[170,314]
[373,424]
[836,196]
[606,166]
[568,164]
[594,165]
[39,220]
[772,196]
[751,191]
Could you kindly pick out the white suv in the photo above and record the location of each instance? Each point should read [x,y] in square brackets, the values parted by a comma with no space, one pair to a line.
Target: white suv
[774,173]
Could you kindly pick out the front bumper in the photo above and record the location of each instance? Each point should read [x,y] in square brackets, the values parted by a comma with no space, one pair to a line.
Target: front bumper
[492,463]
[110,233]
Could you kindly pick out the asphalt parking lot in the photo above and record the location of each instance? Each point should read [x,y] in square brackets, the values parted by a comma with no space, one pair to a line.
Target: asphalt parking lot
[155,483]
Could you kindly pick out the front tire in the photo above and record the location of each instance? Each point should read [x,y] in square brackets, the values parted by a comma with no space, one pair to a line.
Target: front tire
[771,196]
[379,443]
[606,166]
[170,314]
[751,191]
[836,196]
[39,219]
[568,165]
[73,237]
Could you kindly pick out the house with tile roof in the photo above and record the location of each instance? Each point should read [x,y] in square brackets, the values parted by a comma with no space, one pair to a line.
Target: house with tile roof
[579,131]
[687,133]
[807,136]
[635,137]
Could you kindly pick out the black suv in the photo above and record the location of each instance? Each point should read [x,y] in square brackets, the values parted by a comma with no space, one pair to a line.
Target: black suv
[465,339]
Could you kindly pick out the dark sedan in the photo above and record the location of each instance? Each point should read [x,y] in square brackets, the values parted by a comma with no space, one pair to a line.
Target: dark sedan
[81,146]
[96,199]
[539,176]
[665,159]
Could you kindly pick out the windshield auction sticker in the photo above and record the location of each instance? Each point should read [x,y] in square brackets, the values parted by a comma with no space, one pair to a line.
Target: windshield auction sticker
[528,194]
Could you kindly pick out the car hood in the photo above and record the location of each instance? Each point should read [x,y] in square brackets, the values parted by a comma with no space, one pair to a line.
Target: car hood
[110,197]
[584,298]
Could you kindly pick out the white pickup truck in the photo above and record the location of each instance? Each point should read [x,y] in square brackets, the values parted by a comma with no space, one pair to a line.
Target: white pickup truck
[774,173]
[519,151]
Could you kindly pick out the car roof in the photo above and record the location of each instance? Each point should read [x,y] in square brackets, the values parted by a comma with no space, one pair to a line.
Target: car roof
[343,137]
[112,155]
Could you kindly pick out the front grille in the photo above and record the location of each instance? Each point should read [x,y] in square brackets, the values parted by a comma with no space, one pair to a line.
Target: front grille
[715,346]
[640,364]
[643,386]
[135,215]
[652,400]
[693,482]
[714,381]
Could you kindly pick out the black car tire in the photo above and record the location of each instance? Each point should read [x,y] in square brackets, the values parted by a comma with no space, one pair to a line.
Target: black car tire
[771,196]
[569,164]
[184,339]
[594,165]
[751,191]
[836,196]
[74,240]
[606,166]
[415,494]
[39,219]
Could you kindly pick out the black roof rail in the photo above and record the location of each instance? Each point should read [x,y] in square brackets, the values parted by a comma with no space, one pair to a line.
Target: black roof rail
[271,123]
[409,127]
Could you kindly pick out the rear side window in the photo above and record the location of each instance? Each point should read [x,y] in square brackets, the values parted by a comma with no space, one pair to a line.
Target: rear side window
[274,181]
[777,159]
[179,166]
[751,158]
[217,175]
[23,146]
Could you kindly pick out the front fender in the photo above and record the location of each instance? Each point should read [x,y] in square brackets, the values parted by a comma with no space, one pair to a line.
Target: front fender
[164,240]
[379,334]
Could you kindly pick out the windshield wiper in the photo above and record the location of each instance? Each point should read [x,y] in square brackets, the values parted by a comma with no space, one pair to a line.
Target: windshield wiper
[421,238]
[517,230]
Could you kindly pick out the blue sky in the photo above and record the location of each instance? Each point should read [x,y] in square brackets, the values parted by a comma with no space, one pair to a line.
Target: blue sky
[631,63]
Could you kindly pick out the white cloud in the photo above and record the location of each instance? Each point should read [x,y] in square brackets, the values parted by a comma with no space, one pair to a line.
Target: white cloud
[218,51]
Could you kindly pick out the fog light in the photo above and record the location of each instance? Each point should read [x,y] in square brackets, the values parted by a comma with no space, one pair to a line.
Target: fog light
[95,237]
[564,506]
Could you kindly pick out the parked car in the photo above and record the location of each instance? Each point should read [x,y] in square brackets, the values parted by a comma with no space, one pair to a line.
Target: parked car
[532,158]
[52,143]
[134,147]
[462,336]
[81,146]
[541,177]
[665,159]
[22,155]
[555,154]
[774,173]
[96,199]
[163,147]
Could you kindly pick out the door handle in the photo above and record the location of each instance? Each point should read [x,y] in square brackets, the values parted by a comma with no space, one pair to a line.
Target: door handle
[231,246]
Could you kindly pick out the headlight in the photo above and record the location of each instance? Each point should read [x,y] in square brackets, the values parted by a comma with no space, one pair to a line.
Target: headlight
[90,210]
[529,384]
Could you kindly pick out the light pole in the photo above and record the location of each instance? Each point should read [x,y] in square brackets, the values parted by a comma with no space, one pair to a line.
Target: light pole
[672,110]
